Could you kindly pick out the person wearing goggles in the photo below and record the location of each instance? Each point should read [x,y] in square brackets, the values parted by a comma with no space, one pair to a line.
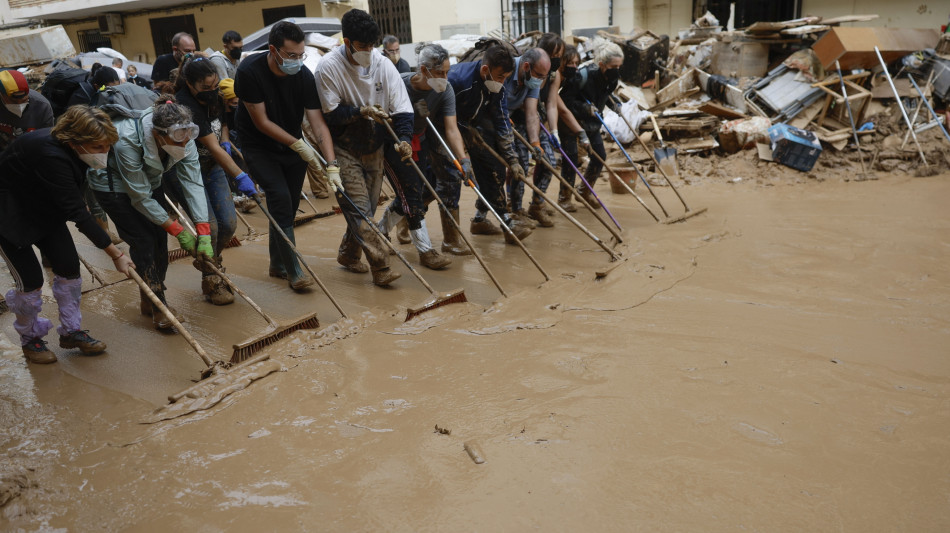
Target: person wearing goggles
[130,188]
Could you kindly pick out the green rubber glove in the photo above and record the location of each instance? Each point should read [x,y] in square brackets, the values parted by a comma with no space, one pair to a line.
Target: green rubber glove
[187,241]
[204,246]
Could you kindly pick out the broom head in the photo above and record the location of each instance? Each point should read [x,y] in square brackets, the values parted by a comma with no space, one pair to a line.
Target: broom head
[455,297]
[246,349]
[684,216]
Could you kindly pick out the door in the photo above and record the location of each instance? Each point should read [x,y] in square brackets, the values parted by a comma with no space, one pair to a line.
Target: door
[164,28]
[522,16]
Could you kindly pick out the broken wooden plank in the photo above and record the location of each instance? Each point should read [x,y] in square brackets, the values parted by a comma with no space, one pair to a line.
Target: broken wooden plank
[721,111]
[671,101]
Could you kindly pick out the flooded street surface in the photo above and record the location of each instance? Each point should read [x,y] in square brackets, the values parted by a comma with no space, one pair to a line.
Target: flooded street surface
[780,363]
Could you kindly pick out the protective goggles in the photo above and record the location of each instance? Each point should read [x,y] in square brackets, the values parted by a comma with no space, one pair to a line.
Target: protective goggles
[180,132]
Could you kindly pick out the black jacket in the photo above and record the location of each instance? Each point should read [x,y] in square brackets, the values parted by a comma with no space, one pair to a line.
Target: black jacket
[587,86]
[41,189]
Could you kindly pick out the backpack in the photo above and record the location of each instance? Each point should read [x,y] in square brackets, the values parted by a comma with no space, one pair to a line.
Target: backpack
[483,44]
[127,95]
[60,85]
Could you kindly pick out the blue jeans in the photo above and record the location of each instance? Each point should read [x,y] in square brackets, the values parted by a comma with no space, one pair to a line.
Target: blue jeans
[541,175]
[221,215]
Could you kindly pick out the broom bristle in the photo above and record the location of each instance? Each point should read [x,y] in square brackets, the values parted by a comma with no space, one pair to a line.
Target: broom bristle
[248,348]
[175,255]
[233,242]
[454,297]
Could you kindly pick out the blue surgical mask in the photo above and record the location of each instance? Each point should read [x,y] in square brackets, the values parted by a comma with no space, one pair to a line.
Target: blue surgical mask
[290,66]
[533,83]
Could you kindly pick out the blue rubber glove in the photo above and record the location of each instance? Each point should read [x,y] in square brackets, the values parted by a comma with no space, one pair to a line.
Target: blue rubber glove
[555,142]
[227,147]
[244,184]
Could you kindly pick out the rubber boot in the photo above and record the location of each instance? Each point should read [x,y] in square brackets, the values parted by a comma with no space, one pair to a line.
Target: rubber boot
[296,278]
[402,232]
[385,276]
[451,240]
[159,320]
[214,288]
[276,269]
[564,200]
[428,256]
[589,197]
[522,216]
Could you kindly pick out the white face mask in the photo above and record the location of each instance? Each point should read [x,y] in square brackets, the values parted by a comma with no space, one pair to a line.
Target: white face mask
[16,109]
[365,59]
[492,85]
[177,153]
[96,161]
[437,84]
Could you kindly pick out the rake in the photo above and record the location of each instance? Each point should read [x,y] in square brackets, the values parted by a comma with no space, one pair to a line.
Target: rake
[244,350]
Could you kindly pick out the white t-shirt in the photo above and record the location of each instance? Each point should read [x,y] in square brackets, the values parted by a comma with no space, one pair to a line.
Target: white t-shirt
[120,72]
[340,82]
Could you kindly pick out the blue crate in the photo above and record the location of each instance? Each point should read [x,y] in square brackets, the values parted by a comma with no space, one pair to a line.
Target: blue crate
[793,147]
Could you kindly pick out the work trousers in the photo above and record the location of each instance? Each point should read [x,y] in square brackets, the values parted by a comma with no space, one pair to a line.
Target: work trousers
[362,178]
[148,242]
[569,143]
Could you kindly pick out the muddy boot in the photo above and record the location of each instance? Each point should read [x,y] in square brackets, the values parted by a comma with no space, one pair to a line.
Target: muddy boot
[482,226]
[537,213]
[402,232]
[564,200]
[81,339]
[159,320]
[520,229]
[356,267]
[145,305]
[428,256]
[104,224]
[36,352]
[589,197]
[522,216]
[276,269]
[296,278]
[451,240]
[385,276]
[216,290]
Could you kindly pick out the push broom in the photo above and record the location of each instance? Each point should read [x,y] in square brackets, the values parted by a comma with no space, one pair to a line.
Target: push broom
[438,300]
[244,350]
[659,167]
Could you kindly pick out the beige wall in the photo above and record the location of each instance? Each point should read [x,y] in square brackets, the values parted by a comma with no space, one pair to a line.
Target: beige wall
[212,21]
[893,13]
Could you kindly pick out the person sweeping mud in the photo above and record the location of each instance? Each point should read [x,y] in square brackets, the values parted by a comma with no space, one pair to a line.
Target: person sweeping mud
[40,190]
[198,91]
[130,189]
[358,88]
[275,92]
[480,104]
[429,87]
[561,119]
[593,83]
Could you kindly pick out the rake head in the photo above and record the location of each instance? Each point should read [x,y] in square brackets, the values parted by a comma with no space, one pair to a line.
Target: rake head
[248,348]
[454,297]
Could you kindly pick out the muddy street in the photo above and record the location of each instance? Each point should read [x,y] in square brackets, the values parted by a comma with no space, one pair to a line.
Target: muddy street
[777,363]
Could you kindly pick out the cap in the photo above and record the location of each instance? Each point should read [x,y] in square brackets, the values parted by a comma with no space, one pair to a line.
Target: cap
[226,88]
[14,83]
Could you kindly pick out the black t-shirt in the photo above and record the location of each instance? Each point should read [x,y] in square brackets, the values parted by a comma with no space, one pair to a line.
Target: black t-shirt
[284,98]
[163,66]
[207,122]
[402,66]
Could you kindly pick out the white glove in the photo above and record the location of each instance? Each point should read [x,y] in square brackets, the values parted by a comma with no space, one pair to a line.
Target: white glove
[306,153]
[333,178]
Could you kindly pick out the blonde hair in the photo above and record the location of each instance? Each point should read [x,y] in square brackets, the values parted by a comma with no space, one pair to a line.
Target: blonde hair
[605,50]
[81,124]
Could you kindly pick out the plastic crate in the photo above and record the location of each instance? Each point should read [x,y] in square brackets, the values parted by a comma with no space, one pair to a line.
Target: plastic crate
[793,147]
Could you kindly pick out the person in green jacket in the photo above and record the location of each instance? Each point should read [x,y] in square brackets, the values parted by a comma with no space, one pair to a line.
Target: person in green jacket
[130,190]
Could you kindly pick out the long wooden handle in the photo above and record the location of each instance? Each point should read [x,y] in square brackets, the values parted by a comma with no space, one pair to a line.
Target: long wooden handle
[624,183]
[171,318]
[242,294]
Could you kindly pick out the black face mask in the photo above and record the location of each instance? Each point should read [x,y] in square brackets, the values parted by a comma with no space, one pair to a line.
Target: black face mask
[206,97]
[612,75]
[555,63]
[569,72]
[235,53]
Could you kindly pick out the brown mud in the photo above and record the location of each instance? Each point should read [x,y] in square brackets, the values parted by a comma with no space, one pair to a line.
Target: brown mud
[778,363]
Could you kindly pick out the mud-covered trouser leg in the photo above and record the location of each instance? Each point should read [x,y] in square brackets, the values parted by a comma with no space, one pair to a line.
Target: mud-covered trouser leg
[281,176]
[68,293]
[409,184]
[362,178]
[542,174]
[569,144]
[594,166]
[148,242]
[489,174]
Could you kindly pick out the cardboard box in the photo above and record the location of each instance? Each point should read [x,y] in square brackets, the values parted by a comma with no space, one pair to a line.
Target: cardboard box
[793,147]
[854,47]
[740,59]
